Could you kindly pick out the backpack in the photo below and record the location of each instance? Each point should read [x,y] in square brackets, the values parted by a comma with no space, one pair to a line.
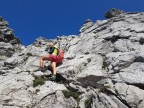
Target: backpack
[60,56]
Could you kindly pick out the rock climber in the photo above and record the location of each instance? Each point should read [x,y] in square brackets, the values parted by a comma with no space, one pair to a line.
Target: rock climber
[53,52]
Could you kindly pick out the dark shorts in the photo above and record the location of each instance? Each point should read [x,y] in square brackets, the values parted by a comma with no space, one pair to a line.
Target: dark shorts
[52,58]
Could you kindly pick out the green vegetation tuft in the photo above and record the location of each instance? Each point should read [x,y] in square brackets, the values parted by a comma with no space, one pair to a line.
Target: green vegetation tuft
[88,102]
[76,107]
[37,90]
[29,54]
[104,88]
[39,81]
[69,94]
[105,65]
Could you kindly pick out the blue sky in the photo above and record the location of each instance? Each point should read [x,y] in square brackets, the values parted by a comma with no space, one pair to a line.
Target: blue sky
[51,18]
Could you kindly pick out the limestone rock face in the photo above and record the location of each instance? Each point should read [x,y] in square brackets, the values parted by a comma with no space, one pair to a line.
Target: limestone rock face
[103,67]
[9,43]
[6,34]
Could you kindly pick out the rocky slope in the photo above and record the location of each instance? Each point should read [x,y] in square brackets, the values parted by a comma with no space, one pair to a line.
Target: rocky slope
[103,67]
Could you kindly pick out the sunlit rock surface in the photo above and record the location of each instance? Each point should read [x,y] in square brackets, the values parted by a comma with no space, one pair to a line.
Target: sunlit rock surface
[103,66]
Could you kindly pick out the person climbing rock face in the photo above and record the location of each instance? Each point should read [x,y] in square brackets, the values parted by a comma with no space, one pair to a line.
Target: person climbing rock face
[53,52]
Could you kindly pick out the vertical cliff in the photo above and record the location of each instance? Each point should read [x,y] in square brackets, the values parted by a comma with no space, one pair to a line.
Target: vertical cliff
[103,66]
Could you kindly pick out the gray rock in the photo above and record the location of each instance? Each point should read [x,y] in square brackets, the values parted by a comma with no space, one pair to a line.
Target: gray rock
[113,13]
[6,33]
[125,46]
[132,74]
[56,100]
[88,23]
[103,64]
[38,74]
[6,49]
[131,94]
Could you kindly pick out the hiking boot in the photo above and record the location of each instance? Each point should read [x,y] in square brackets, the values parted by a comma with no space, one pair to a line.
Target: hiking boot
[43,69]
[52,78]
